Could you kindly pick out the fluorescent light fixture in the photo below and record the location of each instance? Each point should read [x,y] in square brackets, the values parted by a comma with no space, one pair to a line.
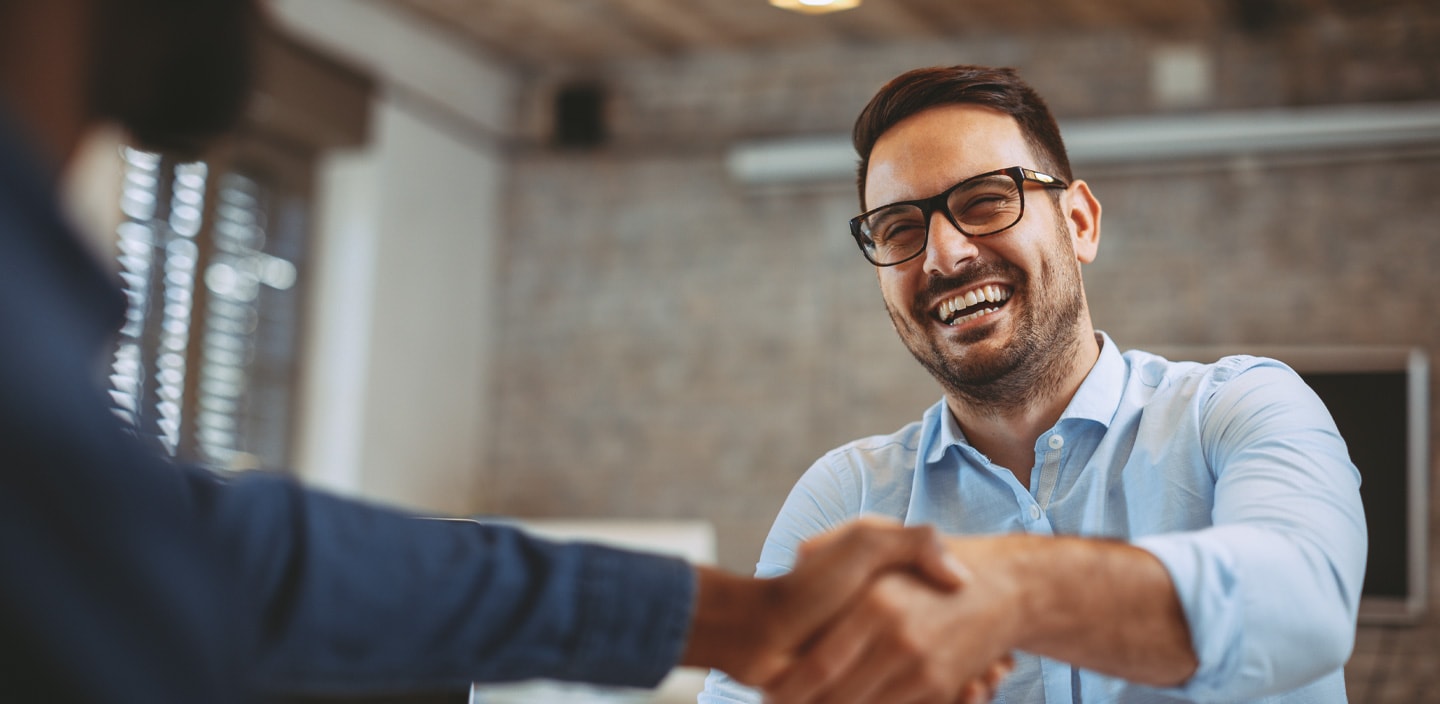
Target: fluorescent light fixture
[1144,139]
[815,7]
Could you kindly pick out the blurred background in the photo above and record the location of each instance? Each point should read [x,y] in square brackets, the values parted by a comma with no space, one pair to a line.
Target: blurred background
[588,259]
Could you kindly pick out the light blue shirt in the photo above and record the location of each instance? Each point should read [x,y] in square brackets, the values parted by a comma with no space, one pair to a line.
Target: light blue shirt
[1232,474]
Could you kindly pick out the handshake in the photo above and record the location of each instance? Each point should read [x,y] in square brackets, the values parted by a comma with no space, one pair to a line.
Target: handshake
[871,612]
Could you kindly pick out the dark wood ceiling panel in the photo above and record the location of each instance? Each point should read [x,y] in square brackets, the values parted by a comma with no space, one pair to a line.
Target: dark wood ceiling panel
[943,17]
[583,32]
[688,26]
[755,23]
[1162,19]
[887,20]
[593,30]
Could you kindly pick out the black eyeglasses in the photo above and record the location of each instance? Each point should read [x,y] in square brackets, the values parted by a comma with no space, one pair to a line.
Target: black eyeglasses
[981,205]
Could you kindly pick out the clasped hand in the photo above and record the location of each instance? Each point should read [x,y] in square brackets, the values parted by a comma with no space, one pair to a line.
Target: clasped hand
[875,612]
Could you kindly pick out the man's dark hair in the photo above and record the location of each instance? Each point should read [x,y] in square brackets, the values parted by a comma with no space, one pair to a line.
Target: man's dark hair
[996,88]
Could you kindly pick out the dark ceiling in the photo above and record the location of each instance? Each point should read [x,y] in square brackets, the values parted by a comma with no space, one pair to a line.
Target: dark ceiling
[548,33]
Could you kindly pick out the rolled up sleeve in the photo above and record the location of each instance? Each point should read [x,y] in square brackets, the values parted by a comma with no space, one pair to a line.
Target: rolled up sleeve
[1271,591]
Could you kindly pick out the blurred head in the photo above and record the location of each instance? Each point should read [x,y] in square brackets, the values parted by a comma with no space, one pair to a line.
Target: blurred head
[174,73]
[999,89]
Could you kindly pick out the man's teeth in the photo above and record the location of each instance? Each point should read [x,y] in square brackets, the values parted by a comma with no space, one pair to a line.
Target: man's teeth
[984,294]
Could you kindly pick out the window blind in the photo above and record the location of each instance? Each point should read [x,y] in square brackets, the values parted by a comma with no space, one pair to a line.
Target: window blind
[209,260]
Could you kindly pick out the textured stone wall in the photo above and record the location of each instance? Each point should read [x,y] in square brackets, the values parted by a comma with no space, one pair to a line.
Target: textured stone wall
[673,344]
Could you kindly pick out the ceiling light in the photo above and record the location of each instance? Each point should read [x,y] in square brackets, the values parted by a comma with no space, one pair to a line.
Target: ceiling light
[815,7]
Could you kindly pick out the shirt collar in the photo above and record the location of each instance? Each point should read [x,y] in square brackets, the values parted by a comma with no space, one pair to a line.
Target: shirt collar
[1096,400]
[1098,397]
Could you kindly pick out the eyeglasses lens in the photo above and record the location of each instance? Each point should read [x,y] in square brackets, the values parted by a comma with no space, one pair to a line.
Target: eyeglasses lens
[981,206]
[985,206]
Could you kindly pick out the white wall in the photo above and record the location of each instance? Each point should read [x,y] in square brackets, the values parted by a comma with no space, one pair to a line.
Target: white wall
[399,350]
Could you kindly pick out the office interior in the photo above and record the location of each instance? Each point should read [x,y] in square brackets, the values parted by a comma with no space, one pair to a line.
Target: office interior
[586,265]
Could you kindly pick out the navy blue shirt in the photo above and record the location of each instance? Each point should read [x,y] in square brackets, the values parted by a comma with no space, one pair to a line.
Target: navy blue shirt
[126,578]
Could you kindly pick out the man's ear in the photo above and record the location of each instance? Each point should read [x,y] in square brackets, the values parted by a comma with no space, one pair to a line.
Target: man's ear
[1083,220]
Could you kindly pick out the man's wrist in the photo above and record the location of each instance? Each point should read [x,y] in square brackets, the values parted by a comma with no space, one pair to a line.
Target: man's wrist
[1002,568]
[726,626]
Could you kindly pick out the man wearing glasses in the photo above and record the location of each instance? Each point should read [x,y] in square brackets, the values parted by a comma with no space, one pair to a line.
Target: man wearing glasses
[1138,530]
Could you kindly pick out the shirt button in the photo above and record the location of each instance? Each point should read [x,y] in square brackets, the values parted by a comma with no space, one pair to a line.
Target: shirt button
[1034,512]
[1056,442]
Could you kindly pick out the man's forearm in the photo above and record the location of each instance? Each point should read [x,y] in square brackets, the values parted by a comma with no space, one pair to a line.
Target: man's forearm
[1102,605]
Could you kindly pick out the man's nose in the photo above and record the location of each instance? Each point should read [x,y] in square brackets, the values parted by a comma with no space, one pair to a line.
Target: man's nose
[947,248]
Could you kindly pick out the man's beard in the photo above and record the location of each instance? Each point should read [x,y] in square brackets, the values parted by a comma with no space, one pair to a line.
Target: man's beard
[175,73]
[1035,363]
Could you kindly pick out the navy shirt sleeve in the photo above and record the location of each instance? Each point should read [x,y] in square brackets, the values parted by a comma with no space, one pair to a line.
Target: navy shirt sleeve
[359,598]
[125,578]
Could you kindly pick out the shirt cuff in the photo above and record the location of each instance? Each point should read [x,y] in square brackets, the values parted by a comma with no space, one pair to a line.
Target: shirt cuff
[636,610]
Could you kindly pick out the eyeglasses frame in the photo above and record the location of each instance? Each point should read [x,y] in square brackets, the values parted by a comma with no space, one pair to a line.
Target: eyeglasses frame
[928,206]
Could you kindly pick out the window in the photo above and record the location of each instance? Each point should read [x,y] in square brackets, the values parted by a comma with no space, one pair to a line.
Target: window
[213,258]
[211,255]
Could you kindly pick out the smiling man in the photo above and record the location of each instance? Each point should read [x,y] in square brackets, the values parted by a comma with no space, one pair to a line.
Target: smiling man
[1139,530]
